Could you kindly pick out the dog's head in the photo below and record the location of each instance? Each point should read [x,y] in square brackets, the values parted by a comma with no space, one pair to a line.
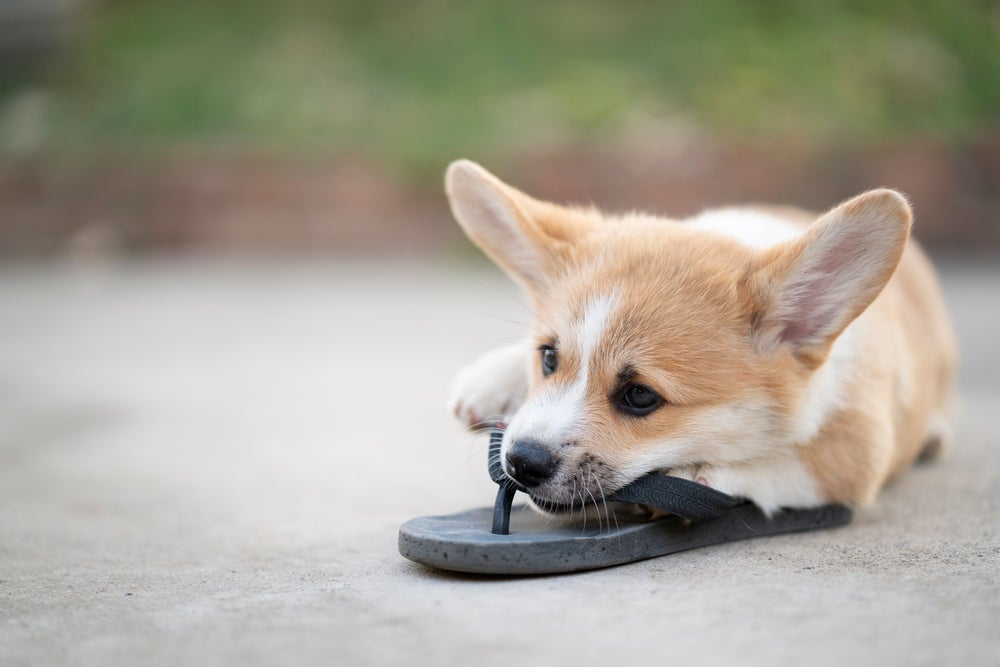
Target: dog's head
[660,345]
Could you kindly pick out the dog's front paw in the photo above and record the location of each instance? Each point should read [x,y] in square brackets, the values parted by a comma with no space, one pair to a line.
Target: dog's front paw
[492,388]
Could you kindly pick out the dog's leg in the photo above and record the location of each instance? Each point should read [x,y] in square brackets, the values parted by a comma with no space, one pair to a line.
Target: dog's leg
[781,481]
[493,387]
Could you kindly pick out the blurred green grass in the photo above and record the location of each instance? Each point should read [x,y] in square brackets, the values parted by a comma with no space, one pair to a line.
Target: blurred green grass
[412,84]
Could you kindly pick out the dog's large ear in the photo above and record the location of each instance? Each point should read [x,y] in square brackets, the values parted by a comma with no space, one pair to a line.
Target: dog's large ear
[524,236]
[810,289]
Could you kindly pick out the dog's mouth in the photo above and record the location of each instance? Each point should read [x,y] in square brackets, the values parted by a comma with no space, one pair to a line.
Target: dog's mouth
[600,509]
[552,507]
[563,498]
[555,496]
[581,500]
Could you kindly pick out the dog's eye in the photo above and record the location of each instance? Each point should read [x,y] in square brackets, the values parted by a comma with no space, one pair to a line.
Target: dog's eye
[550,360]
[638,400]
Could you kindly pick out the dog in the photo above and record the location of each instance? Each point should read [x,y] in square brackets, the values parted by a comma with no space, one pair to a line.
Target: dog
[785,358]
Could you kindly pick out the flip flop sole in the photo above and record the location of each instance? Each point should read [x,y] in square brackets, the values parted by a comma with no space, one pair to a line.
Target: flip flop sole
[462,542]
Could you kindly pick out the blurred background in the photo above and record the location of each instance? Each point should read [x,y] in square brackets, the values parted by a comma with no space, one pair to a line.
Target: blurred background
[232,299]
[136,127]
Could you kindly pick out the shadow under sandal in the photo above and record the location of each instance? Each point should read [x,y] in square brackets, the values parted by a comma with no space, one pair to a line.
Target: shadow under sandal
[479,540]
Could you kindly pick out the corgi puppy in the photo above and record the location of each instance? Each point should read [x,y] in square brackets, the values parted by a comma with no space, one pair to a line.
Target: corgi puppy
[777,356]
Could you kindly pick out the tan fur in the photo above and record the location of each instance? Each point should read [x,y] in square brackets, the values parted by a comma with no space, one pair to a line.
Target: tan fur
[699,318]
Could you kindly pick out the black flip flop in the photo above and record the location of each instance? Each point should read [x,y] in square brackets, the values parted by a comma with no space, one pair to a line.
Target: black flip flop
[479,540]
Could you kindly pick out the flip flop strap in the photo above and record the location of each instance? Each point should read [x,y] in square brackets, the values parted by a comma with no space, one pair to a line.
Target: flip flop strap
[687,499]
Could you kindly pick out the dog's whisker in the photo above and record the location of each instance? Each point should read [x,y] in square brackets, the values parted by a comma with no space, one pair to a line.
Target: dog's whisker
[572,502]
[608,511]
[590,484]
[600,524]
[501,318]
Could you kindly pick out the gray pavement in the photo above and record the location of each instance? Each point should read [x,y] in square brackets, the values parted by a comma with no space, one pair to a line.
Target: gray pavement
[205,462]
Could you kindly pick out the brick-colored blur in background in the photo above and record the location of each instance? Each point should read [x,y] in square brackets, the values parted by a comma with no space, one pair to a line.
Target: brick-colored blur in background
[324,126]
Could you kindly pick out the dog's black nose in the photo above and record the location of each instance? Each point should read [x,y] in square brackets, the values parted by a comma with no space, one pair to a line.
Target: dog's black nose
[530,463]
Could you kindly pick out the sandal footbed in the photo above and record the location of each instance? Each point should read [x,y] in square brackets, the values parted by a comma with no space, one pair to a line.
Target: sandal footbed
[462,542]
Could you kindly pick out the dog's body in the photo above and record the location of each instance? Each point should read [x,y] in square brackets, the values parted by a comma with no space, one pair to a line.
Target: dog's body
[785,362]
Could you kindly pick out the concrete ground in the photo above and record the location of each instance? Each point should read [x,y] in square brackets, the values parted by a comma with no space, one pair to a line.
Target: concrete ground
[206,463]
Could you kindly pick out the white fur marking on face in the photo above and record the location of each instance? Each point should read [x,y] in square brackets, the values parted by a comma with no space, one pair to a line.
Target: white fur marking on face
[591,331]
[753,228]
[558,414]
[555,417]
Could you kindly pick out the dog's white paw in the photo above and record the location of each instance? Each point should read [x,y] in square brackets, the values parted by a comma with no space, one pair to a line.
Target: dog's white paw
[493,387]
